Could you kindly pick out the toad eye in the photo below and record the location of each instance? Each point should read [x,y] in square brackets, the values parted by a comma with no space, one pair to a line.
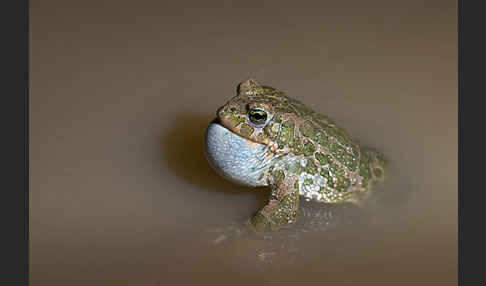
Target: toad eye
[257,116]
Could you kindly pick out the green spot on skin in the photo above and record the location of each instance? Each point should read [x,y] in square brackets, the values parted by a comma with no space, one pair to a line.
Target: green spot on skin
[349,161]
[323,191]
[246,130]
[307,129]
[299,149]
[343,184]
[285,211]
[320,138]
[337,171]
[308,181]
[270,91]
[271,130]
[311,168]
[283,108]
[323,159]
[336,149]
[309,149]
[286,136]
[235,120]
[267,130]
[278,217]
[295,141]
[328,177]
[278,177]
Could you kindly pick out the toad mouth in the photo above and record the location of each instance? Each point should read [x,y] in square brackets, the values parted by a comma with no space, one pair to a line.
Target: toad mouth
[220,123]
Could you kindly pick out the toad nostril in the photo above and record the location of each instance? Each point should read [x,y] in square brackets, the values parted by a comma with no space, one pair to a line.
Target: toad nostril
[219,111]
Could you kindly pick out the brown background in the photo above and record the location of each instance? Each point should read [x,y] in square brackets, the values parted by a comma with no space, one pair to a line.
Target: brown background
[122,91]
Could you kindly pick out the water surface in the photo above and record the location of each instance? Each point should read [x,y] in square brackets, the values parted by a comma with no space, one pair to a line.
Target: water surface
[121,95]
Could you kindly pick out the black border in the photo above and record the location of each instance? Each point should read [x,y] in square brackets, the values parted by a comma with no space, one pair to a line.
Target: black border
[471,88]
[14,27]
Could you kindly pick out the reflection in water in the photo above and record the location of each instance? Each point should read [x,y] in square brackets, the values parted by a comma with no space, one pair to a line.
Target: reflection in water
[289,244]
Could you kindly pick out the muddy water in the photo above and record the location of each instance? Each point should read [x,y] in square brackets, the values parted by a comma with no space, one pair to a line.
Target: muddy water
[121,94]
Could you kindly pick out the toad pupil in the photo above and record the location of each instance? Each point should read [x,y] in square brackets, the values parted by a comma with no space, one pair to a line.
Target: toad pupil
[258,116]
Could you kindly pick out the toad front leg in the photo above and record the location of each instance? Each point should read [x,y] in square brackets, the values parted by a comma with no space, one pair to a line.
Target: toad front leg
[282,208]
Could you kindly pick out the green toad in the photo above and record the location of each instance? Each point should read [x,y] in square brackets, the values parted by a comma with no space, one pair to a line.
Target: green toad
[262,137]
